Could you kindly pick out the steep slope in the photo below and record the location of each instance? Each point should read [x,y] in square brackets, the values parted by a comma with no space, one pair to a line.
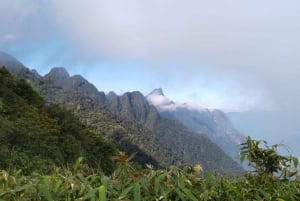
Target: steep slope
[192,147]
[36,137]
[59,77]
[88,103]
[213,123]
[127,135]
[17,69]
[125,129]
[135,106]
[80,96]
[8,60]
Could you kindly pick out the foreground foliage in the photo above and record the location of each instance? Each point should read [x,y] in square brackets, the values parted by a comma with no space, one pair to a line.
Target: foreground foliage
[131,183]
[39,143]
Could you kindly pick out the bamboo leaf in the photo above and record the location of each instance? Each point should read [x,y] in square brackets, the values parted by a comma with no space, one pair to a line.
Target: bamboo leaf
[189,194]
[137,192]
[125,192]
[102,193]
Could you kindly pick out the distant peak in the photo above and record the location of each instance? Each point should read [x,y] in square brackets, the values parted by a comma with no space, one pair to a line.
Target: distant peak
[158,92]
[59,72]
[10,62]
[158,99]
[59,77]
[111,95]
[6,56]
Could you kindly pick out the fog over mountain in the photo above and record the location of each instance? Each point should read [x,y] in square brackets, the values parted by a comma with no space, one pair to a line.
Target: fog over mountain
[272,126]
[128,121]
[235,56]
[213,123]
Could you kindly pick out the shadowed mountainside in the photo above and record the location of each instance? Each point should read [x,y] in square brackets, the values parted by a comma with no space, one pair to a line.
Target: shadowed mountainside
[130,122]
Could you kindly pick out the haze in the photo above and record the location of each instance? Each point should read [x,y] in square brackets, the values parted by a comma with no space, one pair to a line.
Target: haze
[233,55]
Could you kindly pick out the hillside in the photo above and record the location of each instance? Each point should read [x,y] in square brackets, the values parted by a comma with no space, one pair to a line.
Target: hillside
[130,122]
[34,136]
[127,135]
[192,147]
[212,123]
[157,132]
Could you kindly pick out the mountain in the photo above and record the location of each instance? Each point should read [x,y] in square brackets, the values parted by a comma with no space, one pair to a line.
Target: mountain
[8,60]
[39,137]
[213,123]
[188,146]
[135,106]
[17,69]
[128,135]
[131,123]
[59,77]
[192,147]
[159,100]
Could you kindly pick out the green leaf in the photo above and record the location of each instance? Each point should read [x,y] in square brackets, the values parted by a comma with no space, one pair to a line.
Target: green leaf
[46,193]
[180,194]
[189,194]
[102,193]
[157,181]
[242,158]
[137,192]
[205,195]
[125,192]
[295,161]
[91,194]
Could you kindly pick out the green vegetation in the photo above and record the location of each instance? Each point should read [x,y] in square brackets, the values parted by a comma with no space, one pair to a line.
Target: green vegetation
[129,183]
[34,136]
[126,134]
[39,144]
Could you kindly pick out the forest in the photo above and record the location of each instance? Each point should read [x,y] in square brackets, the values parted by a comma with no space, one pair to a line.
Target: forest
[46,153]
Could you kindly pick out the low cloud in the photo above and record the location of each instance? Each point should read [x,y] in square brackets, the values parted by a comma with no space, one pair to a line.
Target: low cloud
[254,44]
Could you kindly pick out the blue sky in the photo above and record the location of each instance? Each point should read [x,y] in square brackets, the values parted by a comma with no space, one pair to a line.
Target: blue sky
[233,55]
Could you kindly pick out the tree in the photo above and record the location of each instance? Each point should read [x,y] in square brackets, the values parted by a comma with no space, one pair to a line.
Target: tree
[266,161]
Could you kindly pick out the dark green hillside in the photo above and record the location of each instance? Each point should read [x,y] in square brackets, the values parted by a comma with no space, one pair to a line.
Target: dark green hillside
[129,121]
[76,93]
[195,148]
[38,137]
[128,135]
[192,147]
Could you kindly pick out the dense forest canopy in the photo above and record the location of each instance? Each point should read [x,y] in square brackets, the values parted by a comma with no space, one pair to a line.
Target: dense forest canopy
[38,136]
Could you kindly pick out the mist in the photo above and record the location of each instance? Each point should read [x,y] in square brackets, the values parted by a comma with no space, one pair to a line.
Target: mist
[231,55]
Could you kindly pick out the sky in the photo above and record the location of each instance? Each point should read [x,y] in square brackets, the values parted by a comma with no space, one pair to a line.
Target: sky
[234,55]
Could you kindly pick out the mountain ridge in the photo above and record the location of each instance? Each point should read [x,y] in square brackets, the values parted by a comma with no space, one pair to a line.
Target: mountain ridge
[193,147]
[214,123]
[39,137]
[134,107]
[123,132]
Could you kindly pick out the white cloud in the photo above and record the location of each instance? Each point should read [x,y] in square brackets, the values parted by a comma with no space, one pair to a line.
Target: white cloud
[160,101]
[219,31]
[255,42]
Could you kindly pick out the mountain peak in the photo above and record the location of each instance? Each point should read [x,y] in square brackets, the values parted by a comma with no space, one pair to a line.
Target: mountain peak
[59,72]
[111,95]
[58,76]
[157,91]
[158,99]
[10,62]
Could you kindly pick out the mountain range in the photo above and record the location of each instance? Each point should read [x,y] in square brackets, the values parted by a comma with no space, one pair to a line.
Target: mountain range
[132,122]
[214,123]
